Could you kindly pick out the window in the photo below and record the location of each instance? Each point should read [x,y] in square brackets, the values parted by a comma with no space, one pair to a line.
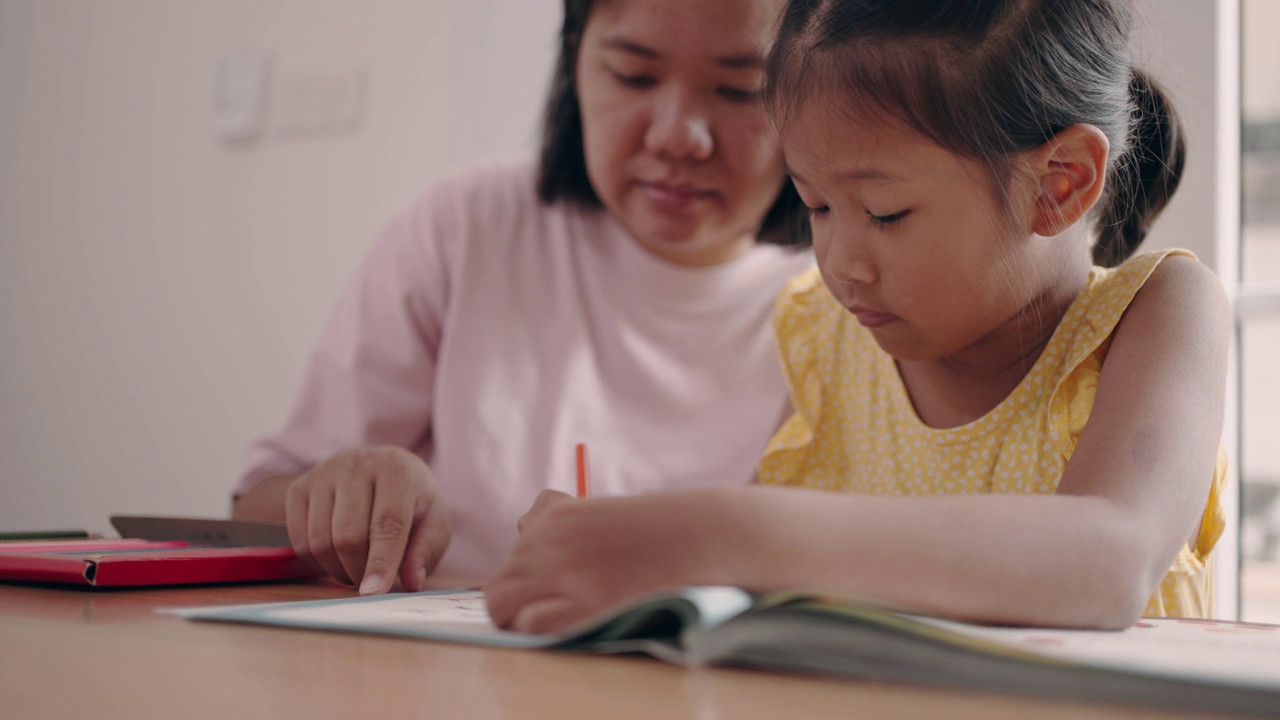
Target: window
[1258,313]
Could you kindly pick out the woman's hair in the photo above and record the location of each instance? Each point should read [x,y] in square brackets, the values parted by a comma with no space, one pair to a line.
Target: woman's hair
[562,167]
[989,79]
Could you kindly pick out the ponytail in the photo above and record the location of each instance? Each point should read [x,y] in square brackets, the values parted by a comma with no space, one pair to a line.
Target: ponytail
[1145,177]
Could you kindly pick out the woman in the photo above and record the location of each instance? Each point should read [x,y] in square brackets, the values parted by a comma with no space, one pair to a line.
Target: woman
[617,294]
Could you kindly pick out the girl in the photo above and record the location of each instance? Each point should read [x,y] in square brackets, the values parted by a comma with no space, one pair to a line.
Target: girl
[613,293]
[1022,433]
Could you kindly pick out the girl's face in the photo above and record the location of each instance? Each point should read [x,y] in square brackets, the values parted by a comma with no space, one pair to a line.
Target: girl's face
[677,144]
[912,239]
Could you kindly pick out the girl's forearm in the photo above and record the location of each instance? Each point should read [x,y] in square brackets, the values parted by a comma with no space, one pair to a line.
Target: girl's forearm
[1019,559]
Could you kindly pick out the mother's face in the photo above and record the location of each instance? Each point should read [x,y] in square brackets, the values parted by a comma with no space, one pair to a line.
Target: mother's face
[677,143]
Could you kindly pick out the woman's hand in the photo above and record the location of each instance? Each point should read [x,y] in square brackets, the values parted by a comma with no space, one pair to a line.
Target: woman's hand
[367,515]
[577,558]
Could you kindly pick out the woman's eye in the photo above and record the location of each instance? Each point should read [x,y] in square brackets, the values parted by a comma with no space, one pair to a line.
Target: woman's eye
[738,94]
[634,81]
[814,211]
[887,220]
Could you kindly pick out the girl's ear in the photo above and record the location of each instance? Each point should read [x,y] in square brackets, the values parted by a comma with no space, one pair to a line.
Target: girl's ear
[1072,169]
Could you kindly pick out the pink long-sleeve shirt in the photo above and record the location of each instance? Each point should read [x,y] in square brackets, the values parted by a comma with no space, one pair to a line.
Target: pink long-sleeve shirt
[490,333]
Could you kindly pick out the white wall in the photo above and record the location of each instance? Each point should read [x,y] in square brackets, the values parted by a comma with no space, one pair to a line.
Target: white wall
[1261,89]
[159,288]
[1176,41]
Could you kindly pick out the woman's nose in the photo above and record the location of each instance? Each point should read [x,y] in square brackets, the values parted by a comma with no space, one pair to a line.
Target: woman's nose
[680,128]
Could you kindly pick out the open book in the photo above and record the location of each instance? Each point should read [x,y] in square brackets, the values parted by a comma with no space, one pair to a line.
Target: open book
[1191,665]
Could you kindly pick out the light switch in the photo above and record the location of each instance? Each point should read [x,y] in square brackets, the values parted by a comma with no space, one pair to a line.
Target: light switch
[324,101]
[239,95]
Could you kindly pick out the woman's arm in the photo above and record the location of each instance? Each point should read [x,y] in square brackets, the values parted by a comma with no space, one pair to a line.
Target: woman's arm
[342,472]
[264,501]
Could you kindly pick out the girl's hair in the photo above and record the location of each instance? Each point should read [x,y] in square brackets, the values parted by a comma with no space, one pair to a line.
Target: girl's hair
[562,167]
[988,79]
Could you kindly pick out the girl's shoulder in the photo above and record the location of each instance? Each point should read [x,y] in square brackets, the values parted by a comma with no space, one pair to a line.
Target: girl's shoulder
[1137,270]
[1161,277]
[1180,272]
[1171,288]
[1109,292]
[1139,288]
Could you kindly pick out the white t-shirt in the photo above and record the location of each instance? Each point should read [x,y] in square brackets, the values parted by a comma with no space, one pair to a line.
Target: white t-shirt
[490,333]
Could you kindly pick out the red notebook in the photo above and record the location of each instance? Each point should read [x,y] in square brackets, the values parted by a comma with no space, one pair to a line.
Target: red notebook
[159,551]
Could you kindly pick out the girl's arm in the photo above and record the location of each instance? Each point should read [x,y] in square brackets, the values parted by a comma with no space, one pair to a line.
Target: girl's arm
[1089,556]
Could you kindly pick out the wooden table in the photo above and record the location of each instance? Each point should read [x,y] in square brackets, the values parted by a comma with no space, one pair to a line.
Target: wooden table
[81,654]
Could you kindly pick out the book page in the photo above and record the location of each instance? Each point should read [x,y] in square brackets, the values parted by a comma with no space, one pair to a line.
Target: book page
[1233,652]
[449,616]
[459,612]
[461,616]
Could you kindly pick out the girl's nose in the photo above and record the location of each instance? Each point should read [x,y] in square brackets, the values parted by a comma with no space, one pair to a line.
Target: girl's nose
[846,260]
[680,129]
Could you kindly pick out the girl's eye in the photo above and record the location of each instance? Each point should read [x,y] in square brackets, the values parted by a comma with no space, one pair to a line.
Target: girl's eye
[815,211]
[634,81]
[884,221]
[739,95]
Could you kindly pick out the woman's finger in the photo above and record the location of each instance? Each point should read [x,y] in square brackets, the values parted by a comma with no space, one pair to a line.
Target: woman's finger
[428,539]
[295,514]
[390,522]
[352,508]
[320,532]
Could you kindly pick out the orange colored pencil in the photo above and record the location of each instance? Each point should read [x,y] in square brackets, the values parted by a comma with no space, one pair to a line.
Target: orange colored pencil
[584,478]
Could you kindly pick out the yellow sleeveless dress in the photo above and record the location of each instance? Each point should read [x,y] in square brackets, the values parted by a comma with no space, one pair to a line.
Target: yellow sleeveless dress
[855,430]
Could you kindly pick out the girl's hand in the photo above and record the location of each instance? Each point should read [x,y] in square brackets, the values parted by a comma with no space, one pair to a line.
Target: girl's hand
[545,499]
[368,515]
[576,558]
